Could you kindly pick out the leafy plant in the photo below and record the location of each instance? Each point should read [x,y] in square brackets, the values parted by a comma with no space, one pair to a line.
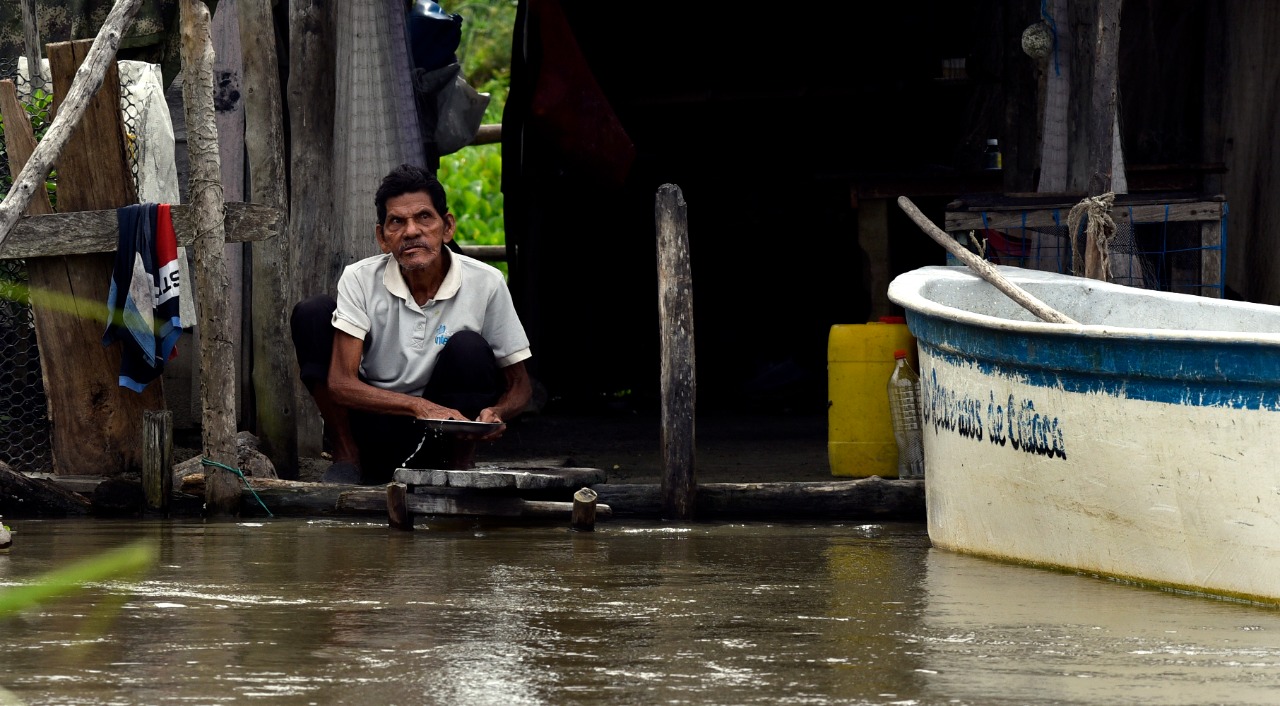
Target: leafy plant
[472,176]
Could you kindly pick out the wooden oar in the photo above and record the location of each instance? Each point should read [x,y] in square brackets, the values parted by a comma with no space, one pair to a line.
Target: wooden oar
[984,269]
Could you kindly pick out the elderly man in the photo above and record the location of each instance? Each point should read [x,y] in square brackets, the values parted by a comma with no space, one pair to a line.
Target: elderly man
[420,332]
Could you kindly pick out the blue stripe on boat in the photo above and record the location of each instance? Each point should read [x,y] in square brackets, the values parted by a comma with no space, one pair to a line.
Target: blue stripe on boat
[1194,373]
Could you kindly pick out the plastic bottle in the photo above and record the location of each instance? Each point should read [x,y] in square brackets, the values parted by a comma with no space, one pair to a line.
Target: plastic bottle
[991,157]
[904,406]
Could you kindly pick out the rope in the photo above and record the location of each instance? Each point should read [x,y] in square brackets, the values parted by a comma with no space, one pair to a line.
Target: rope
[1099,230]
[210,462]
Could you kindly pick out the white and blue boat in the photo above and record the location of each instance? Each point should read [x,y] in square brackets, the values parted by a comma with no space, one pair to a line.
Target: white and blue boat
[1142,444]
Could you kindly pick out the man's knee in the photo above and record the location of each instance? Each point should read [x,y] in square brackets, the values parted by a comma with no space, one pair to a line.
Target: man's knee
[312,330]
[467,344]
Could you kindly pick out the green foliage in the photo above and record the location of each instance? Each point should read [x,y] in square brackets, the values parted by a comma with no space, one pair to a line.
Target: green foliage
[472,176]
[123,562]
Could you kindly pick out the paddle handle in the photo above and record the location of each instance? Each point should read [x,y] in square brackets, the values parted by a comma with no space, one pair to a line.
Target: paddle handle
[984,269]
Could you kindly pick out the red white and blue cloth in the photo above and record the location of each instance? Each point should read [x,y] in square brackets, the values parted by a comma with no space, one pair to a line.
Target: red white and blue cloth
[142,306]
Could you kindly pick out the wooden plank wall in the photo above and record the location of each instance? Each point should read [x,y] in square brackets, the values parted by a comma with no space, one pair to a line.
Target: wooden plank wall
[1251,148]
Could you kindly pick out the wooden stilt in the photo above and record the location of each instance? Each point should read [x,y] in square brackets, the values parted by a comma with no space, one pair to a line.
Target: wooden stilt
[675,310]
[584,510]
[398,514]
[157,458]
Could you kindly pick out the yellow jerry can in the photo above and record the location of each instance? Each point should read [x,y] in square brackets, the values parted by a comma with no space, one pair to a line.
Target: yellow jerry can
[859,362]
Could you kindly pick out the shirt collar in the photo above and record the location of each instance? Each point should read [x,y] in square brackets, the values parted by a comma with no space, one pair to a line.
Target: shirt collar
[394,280]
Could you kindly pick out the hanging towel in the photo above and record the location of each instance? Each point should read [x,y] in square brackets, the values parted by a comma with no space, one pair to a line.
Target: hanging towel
[143,304]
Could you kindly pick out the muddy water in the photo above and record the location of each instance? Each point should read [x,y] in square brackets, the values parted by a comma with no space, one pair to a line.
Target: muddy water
[338,612]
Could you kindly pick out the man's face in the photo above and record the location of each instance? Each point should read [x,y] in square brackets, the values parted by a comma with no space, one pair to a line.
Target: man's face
[414,232]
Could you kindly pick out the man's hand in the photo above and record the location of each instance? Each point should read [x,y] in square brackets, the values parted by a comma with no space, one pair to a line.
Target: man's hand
[490,415]
[426,409]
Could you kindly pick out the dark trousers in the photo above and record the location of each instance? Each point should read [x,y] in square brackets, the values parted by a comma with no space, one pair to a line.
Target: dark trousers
[466,378]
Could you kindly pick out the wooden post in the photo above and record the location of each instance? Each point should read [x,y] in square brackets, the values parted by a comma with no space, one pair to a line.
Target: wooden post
[311,108]
[31,37]
[675,312]
[398,514]
[157,458]
[274,366]
[1103,102]
[217,383]
[584,510]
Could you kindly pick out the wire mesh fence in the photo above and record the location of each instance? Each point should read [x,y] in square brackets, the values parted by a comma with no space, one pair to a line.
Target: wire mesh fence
[1172,247]
[25,431]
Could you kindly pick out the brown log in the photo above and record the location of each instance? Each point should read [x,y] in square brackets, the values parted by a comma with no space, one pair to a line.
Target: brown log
[217,362]
[157,458]
[1103,103]
[70,109]
[20,143]
[398,515]
[21,496]
[872,498]
[311,109]
[96,424]
[488,134]
[274,365]
[675,312]
[584,510]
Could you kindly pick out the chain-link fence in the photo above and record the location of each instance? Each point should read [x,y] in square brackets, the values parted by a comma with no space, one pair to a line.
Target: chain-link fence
[24,416]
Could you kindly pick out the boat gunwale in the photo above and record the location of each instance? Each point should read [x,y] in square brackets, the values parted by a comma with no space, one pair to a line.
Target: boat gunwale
[907,291]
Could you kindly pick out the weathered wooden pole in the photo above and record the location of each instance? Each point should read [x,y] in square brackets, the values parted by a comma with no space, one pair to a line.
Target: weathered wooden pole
[584,510]
[273,360]
[157,458]
[675,311]
[311,94]
[217,357]
[398,514]
[1103,102]
[87,80]
[31,40]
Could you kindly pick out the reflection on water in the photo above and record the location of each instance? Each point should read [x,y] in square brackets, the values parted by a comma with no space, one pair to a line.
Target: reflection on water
[329,612]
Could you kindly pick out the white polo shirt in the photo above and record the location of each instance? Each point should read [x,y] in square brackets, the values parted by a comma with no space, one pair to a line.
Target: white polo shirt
[403,340]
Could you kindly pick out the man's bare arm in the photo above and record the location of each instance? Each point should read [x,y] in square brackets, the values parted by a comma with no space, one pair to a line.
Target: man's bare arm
[514,399]
[349,390]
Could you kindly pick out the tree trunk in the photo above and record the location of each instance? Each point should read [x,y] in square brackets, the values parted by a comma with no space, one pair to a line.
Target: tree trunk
[675,311]
[217,382]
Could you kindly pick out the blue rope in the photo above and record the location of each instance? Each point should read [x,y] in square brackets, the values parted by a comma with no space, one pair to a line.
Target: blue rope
[210,462]
[1053,26]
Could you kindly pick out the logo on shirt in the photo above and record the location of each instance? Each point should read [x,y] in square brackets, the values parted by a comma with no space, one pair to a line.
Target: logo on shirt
[442,335]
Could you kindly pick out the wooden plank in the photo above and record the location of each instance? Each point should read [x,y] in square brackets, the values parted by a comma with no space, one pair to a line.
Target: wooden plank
[311,93]
[496,478]
[87,232]
[96,424]
[1211,260]
[957,221]
[21,496]
[873,236]
[679,385]
[20,144]
[275,369]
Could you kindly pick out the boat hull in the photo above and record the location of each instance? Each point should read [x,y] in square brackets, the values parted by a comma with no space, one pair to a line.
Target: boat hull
[1146,455]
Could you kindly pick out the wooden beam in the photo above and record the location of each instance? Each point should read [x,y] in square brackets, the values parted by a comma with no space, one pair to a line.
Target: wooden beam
[872,498]
[957,221]
[1102,121]
[217,358]
[20,144]
[675,313]
[21,496]
[96,424]
[85,232]
[31,43]
[157,458]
